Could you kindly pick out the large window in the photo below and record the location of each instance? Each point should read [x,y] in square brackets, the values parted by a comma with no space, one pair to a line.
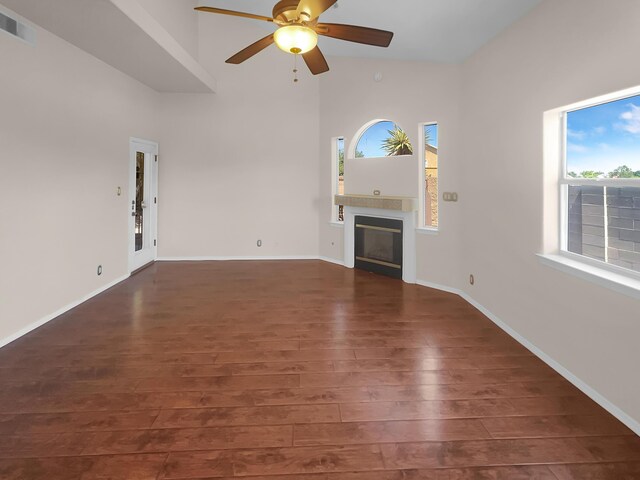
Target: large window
[430,132]
[601,183]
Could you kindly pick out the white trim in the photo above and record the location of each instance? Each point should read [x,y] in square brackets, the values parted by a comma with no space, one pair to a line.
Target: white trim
[577,382]
[602,182]
[149,253]
[336,224]
[437,286]
[237,258]
[332,260]
[249,258]
[57,313]
[428,230]
[606,98]
[422,178]
[618,282]
[355,140]
[335,173]
[408,236]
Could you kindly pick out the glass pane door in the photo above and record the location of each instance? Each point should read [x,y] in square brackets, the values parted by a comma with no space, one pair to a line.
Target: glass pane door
[143,211]
[140,205]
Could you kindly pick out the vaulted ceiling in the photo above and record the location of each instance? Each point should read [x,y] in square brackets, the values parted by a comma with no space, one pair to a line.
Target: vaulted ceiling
[431,30]
[446,31]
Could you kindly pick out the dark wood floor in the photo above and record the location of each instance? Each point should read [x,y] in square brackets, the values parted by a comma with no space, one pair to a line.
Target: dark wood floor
[291,371]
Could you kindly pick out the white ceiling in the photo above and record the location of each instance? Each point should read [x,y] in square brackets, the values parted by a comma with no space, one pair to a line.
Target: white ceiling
[101,29]
[431,30]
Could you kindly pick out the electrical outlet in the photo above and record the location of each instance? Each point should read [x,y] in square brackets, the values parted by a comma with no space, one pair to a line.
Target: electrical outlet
[259,243]
[472,279]
[99,270]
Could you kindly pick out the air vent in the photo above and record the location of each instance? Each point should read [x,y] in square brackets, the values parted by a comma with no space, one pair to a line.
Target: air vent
[16,28]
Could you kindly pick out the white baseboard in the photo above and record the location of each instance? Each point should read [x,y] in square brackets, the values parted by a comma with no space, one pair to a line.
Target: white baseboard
[250,258]
[437,286]
[332,260]
[577,382]
[236,258]
[57,313]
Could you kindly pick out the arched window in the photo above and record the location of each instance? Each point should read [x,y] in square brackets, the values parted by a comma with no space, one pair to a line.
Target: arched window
[383,138]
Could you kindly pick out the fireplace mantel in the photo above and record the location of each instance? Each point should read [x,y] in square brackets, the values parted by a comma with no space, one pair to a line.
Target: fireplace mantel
[400,204]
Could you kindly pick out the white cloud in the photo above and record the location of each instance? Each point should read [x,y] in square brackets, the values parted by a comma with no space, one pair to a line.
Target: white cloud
[576,134]
[597,131]
[574,148]
[631,120]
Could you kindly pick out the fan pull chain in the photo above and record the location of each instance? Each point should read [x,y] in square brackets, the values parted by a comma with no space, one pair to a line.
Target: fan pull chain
[295,68]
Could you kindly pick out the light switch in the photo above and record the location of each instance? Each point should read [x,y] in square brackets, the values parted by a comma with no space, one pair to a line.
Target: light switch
[450,196]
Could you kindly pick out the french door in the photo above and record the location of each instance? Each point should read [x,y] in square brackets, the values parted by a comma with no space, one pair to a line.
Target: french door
[143,203]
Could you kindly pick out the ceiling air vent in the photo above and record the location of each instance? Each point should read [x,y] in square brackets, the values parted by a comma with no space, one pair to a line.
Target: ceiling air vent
[16,28]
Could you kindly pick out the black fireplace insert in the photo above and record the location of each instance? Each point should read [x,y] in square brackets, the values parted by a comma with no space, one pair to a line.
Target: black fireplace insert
[378,245]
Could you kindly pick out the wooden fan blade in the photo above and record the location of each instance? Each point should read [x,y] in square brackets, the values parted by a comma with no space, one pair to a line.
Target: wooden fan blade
[314,8]
[353,33]
[251,50]
[315,61]
[233,13]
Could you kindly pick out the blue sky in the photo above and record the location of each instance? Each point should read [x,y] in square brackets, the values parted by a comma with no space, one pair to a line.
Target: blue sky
[371,141]
[604,137]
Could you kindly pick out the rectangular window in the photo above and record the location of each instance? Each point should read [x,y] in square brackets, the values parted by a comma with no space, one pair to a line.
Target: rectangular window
[430,132]
[600,186]
[338,178]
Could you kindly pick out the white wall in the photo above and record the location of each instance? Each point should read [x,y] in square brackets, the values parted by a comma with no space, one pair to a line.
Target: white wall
[240,165]
[392,176]
[410,93]
[65,123]
[178,18]
[561,53]
[244,164]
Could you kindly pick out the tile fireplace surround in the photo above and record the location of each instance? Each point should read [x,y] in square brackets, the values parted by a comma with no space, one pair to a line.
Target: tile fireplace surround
[398,208]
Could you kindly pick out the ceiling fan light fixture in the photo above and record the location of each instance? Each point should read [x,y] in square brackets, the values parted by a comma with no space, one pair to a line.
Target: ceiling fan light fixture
[296,39]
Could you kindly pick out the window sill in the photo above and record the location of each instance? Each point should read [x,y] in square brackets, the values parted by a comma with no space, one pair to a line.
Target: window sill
[427,231]
[614,281]
[334,223]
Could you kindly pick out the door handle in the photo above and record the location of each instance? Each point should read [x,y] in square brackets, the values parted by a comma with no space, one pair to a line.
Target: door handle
[143,205]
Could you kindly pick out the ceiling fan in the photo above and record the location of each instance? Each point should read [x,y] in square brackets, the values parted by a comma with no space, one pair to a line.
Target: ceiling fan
[298,30]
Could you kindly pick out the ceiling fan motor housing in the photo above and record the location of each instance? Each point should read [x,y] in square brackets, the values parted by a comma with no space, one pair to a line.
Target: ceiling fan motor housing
[285,10]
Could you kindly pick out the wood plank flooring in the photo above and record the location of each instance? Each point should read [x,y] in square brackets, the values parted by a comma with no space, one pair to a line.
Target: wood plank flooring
[291,371]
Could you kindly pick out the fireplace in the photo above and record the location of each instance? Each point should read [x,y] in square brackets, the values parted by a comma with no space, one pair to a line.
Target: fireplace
[378,245]
[401,209]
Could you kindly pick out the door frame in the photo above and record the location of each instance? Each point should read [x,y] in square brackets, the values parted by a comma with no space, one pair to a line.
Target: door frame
[151,148]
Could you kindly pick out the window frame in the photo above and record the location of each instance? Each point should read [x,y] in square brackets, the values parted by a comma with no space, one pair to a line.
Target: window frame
[335,176]
[422,204]
[564,181]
